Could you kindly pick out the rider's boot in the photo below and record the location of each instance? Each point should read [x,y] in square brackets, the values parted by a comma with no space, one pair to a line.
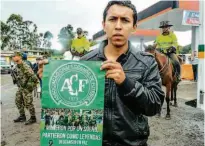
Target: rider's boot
[177,66]
[178,77]
[21,118]
[178,71]
[178,74]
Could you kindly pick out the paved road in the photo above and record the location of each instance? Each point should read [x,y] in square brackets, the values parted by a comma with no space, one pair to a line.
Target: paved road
[16,134]
[8,89]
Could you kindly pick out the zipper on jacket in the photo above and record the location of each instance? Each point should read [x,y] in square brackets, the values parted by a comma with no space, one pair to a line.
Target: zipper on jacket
[111,106]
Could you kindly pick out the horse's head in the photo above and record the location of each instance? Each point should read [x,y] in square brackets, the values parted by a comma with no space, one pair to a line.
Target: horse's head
[150,49]
[161,59]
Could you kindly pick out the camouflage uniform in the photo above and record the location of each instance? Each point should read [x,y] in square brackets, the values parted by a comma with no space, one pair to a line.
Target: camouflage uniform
[27,81]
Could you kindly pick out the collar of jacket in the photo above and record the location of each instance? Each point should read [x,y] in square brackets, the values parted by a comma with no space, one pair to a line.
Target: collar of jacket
[121,58]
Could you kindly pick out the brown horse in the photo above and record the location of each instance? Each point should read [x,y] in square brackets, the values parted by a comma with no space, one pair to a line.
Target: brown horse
[167,74]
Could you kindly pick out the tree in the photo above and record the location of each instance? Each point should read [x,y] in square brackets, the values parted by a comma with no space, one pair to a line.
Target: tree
[15,23]
[5,37]
[47,39]
[65,36]
[18,33]
[186,49]
[35,37]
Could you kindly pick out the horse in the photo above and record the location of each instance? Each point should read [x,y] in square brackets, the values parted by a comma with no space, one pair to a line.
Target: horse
[168,76]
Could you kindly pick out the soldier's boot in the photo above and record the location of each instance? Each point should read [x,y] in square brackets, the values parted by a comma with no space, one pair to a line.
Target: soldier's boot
[31,120]
[21,118]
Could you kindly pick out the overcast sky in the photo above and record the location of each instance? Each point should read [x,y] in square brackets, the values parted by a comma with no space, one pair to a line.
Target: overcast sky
[53,15]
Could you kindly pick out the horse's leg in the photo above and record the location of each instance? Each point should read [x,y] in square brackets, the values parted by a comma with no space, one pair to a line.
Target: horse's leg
[172,93]
[168,90]
[175,94]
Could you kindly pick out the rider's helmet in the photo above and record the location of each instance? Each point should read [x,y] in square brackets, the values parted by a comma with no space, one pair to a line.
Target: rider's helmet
[79,30]
[164,24]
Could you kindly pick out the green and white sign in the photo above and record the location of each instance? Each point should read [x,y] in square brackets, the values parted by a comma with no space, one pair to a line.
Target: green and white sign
[72,103]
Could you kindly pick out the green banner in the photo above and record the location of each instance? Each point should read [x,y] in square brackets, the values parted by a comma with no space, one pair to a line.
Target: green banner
[72,103]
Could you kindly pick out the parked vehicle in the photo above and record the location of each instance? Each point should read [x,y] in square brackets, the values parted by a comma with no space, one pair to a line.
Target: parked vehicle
[5,67]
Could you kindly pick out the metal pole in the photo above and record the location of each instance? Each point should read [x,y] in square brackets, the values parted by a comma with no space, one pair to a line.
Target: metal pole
[194,40]
[201,56]
[141,44]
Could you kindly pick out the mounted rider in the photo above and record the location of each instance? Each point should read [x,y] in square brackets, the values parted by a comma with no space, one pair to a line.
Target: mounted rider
[167,43]
[80,45]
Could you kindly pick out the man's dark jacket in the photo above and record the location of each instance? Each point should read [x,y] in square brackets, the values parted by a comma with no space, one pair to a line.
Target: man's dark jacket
[140,94]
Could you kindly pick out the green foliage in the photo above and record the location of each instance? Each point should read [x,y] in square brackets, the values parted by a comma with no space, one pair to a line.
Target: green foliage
[65,37]
[17,33]
[47,39]
[4,37]
[185,49]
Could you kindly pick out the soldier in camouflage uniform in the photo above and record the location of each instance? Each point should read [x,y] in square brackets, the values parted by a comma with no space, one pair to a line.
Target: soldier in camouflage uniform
[27,81]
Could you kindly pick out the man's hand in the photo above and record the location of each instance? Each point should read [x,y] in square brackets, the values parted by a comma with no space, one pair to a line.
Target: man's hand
[114,71]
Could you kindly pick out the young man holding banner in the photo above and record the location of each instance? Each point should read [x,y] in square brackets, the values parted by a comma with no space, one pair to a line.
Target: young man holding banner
[132,85]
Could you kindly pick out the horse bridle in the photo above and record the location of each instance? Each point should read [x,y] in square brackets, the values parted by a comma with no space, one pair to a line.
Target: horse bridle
[165,66]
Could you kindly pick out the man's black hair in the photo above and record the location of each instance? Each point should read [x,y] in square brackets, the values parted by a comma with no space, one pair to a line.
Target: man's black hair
[127,3]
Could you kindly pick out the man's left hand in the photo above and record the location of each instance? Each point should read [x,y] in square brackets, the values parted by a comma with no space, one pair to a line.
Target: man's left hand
[114,71]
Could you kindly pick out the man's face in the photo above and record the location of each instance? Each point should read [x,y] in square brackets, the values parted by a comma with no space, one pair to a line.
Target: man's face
[165,29]
[80,33]
[17,59]
[118,25]
[37,61]
[41,61]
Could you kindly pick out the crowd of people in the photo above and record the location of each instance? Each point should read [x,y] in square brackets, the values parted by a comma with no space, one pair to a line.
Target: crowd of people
[71,119]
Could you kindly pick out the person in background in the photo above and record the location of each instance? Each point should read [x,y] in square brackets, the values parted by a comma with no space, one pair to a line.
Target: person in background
[80,45]
[41,63]
[194,59]
[24,58]
[27,81]
[167,43]
[35,65]
[47,119]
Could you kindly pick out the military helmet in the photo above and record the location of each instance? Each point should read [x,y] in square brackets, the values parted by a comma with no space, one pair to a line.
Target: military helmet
[165,24]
